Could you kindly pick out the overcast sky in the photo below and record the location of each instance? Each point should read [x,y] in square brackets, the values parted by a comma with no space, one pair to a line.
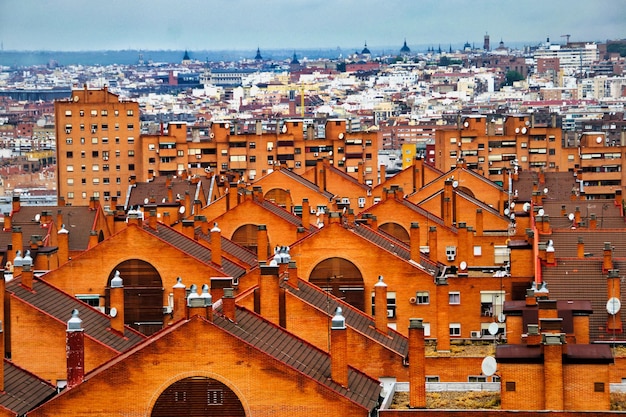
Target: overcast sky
[78,25]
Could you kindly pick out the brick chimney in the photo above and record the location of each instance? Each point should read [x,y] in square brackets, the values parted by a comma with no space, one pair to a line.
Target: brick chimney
[418,174]
[63,242]
[228,304]
[75,342]
[417,364]
[166,218]
[27,274]
[414,237]
[380,305]
[383,173]
[218,284]
[607,258]
[580,248]
[189,229]
[306,212]
[7,222]
[443,323]
[553,372]
[187,202]
[270,293]
[339,349]
[216,245]
[17,241]
[15,204]
[93,239]
[180,294]
[116,294]
[152,219]
[593,221]
[197,206]
[320,175]
[577,215]
[262,243]
[432,243]
[233,197]
[59,221]
[479,222]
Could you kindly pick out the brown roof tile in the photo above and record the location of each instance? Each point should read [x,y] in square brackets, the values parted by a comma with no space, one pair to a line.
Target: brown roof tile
[23,391]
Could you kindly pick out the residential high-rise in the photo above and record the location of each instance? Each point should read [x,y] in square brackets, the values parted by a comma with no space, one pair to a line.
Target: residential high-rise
[96,134]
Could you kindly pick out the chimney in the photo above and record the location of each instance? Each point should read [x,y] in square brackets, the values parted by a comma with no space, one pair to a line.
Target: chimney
[360,173]
[16,239]
[550,256]
[418,174]
[432,243]
[414,237]
[170,194]
[262,243]
[7,222]
[63,241]
[334,217]
[320,175]
[27,274]
[553,372]
[133,218]
[218,284]
[15,205]
[593,221]
[93,239]
[443,329]
[270,293]
[306,212]
[580,248]
[216,245]
[200,304]
[180,295]
[110,220]
[607,257]
[189,229]
[116,294]
[166,218]
[59,220]
[417,364]
[479,222]
[75,342]
[339,349]
[380,305]
[577,215]
[618,198]
[152,219]
[233,197]
[187,202]
[197,206]
[383,173]
[228,304]
[2,344]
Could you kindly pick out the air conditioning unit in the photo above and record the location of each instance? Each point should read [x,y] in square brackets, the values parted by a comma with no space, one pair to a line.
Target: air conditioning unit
[167,310]
[450,257]
[198,156]
[475,334]
[361,204]
[93,130]
[68,131]
[316,154]
[450,253]
[389,313]
[105,158]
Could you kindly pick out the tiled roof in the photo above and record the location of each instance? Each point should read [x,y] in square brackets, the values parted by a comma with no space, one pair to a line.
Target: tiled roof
[157,190]
[355,319]
[431,217]
[59,305]
[607,214]
[22,390]
[346,176]
[193,248]
[305,182]
[281,212]
[582,279]
[559,185]
[299,355]
[566,242]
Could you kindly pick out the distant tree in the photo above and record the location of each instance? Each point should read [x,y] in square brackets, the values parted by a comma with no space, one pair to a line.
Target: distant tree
[444,61]
[512,76]
[341,67]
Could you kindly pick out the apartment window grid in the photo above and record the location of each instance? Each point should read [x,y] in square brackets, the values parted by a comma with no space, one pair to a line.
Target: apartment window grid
[454,298]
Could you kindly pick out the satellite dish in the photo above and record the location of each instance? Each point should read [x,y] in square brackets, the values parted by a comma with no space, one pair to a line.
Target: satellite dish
[113,312]
[506,211]
[512,204]
[541,212]
[526,207]
[463,265]
[455,184]
[493,329]
[146,200]
[466,124]
[181,209]
[76,99]
[545,190]
[330,153]
[341,135]
[489,366]
[613,305]
[37,217]
[523,131]
[570,216]
[517,130]
[227,126]
[501,317]
[284,129]
[599,139]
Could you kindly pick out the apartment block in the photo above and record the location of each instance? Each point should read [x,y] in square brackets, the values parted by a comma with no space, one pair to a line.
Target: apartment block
[96,134]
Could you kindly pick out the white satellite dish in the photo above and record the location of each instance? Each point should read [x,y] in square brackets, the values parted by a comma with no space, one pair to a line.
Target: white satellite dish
[523,131]
[570,216]
[599,139]
[284,129]
[517,130]
[37,217]
[76,98]
[506,211]
[181,209]
[227,126]
[526,207]
[513,204]
[330,153]
[463,265]
[613,305]
[501,317]
[146,200]
[466,124]
[455,184]
[541,212]
[340,135]
[493,329]
[489,366]
[545,190]
[113,312]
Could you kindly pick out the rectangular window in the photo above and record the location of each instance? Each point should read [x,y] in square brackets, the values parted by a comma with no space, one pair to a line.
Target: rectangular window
[94,113]
[131,152]
[70,181]
[118,180]
[94,141]
[129,113]
[96,181]
[476,378]
[68,112]
[95,167]
[455,329]
[180,153]
[510,386]
[130,126]
[69,141]
[432,378]
[91,299]
[104,126]
[94,154]
[94,128]
[105,167]
[151,147]
[69,168]
[422,297]
[70,195]
[598,387]
[131,139]
[252,145]
[252,158]
[105,180]
[81,113]
[501,254]
[131,167]
[104,113]
[69,154]
[454,297]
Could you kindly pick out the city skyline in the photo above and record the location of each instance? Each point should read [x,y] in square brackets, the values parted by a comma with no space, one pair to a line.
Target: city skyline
[246,24]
